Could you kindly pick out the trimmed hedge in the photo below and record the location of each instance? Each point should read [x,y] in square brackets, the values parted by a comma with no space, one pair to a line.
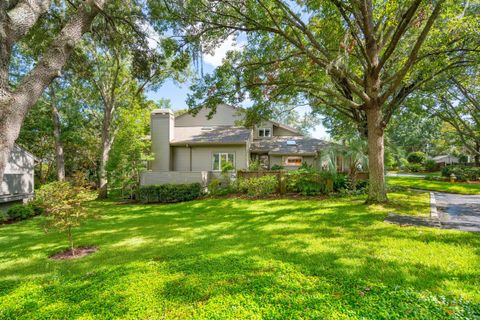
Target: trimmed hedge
[169,193]
[20,212]
[417,157]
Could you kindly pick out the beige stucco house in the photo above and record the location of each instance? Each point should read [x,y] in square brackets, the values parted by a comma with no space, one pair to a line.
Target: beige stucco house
[191,148]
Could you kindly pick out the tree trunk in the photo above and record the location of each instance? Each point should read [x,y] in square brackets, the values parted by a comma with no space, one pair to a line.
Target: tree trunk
[107,141]
[15,102]
[59,156]
[477,155]
[377,189]
[10,123]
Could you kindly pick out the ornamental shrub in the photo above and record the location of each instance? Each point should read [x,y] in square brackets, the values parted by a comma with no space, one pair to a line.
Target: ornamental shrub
[415,167]
[403,163]
[430,165]
[169,193]
[3,217]
[276,167]
[416,157]
[255,166]
[340,182]
[308,181]
[462,173]
[258,187]
[215,188]
[64,206]
[20,212]
[463,158]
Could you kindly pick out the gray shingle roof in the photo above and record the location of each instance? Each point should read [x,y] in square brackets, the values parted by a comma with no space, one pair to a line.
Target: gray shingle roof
[279,145]
[210,135]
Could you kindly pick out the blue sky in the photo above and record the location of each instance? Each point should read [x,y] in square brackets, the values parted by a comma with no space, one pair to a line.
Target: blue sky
[177,92]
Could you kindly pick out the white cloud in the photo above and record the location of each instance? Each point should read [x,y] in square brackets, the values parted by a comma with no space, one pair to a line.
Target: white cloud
[216,58]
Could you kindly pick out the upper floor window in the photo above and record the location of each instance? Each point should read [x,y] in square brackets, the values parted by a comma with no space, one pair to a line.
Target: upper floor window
[264,132]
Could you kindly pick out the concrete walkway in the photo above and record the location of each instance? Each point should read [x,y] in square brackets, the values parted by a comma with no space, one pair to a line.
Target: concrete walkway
[415,175]
[448,211]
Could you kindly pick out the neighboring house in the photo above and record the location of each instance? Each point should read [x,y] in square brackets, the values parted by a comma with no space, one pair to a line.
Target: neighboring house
[445,159]
[17,184]
[191,148]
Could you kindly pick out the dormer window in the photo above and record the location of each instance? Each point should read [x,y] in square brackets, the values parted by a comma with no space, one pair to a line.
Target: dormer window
[264,132]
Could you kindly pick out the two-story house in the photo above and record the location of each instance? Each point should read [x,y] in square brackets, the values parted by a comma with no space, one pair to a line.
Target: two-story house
[191,148]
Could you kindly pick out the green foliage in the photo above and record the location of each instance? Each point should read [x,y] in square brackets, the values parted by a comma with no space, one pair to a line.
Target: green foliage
[215,188]
[20,212]
[227,166]
[169,193]
[411,130]
[462,173]
[131,148]
[463,158]
[455,99]
[417,157]
[254,165]
[64,206]
[415,167]
[258,187]
[403,163]
[390,162]
[340,182]
[443,186]
[308,181]
[430,165]
[276,167]
[435,178]
[3,217]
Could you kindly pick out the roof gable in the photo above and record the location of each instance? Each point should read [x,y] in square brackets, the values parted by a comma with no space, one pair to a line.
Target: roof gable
[225,115]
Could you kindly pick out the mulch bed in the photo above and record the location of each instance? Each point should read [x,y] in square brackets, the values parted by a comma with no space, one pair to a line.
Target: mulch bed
[76,254]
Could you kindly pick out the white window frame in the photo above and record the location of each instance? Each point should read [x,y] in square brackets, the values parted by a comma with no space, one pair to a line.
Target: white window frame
[226,154]
[293,165]
[264,131]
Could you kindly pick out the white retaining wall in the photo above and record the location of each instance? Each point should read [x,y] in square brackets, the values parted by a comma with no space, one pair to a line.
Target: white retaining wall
[174,177]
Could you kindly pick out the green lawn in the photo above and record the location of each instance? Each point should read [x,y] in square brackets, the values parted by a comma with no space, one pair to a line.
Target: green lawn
[240,259]
[420,183]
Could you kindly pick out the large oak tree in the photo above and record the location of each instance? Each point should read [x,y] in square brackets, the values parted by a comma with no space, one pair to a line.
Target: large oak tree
[458,103]
[359,58]
[17,18]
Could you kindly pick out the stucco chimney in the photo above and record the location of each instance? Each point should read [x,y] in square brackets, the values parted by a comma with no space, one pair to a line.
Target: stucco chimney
[162,124]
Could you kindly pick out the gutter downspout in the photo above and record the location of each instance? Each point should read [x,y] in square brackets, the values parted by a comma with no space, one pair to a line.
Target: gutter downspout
[190,155]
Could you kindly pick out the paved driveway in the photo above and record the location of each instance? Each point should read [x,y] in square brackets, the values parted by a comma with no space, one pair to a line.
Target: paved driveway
[460,212]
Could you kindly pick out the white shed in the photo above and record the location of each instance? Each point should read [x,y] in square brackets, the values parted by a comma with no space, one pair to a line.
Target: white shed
[445,159]
[18,179]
